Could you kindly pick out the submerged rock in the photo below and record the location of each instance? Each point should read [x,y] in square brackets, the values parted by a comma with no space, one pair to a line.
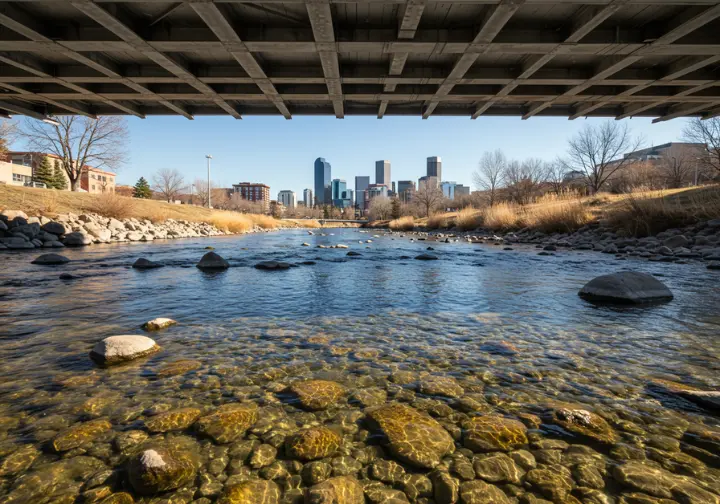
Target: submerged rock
[80,434]
[585,423]
[412,436]
[143,263]
[159,469]
[426,257]
[494,433]
[479,492]
[19,461]
[626,287]
[229,422]
[179,419]
[708,399]
[313,443]
[272,265]
[51,259]
[337,490]
[211,261]
[440,386]
[118,349]
[317,394]
[178,367]
[661,483]
[251,492]
[158,323]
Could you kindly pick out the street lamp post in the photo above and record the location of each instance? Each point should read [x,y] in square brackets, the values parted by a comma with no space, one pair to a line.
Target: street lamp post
[209,157]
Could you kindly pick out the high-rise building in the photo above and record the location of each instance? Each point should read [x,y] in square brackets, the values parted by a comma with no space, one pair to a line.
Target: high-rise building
[308,198]
[405,188]
[434,167]
[361,185]
[338,186]
[429,181]
[448,189]
[382,173]
[257,193]
[288,198]
[323,194]
[462,190]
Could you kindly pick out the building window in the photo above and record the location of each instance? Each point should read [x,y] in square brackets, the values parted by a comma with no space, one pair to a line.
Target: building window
[18,178]
[93,188]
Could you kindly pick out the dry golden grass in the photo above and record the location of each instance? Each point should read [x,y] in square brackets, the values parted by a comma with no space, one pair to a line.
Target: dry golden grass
[438,221]
[402,224]
[111,205]
[34,201]
[468,219]
[561,217]
[503,216]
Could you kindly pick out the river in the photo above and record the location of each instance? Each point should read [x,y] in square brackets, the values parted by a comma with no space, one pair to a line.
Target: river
[506,325]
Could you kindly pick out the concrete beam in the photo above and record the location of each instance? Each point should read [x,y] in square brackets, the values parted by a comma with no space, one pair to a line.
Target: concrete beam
[322,26]
[216,21]
[22,110]
[685,110]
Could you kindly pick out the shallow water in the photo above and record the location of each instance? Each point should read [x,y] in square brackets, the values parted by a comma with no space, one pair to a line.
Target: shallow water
[507,325]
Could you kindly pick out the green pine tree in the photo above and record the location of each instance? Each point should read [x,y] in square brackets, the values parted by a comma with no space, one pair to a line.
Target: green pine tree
[142,189]
[59,181]
[44,173]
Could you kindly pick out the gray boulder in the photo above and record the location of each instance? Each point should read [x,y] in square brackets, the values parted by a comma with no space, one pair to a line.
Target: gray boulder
[117,349]
[77,239]
[426,257]
[53,244]
[714,266]
[676,241]
[11,214]
[49,259]
[25,245]
[272,265]
[54,228]
[3,226]
[134,236]
[629,287]
[211,260]
[143,263]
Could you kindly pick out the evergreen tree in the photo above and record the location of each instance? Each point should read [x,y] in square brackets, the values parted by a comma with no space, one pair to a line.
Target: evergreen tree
[142,189]
[59,181]
[44,173]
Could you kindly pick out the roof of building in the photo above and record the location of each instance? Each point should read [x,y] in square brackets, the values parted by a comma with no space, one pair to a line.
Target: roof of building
[570,58]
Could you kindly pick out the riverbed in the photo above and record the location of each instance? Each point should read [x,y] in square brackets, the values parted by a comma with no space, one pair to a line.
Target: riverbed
[506,326]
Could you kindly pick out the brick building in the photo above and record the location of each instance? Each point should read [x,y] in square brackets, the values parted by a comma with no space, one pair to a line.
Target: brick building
[256,193]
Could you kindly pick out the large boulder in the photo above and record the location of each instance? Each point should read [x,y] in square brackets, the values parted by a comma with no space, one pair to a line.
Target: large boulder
[313,443]
[316,394]
[118,349]
[211,261]
[229,422]
[585,423]
[80,434]
[159,469]
[426,257]
[676,241]
[337,490]
[630,287]
[251,492]
[51,259]
[479,492]
[77,239]
[143,263]
[493,433]
[55,228]
[412,436]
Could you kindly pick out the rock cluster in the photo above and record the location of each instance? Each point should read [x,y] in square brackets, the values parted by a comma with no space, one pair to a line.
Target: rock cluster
[18,231]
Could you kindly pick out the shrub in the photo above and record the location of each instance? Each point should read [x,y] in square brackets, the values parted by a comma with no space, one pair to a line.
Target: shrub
[502,216]
[437,221]
[265,221]
[402,224]
[468,219]
[111,205]
[49,202]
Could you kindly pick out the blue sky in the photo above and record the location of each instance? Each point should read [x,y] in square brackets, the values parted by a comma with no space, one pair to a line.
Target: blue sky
[281,153]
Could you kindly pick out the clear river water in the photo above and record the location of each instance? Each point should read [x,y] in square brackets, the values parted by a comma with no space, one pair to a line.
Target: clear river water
[506,327]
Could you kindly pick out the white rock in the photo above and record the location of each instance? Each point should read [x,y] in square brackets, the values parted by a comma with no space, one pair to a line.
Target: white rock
[158,323]
[117,349]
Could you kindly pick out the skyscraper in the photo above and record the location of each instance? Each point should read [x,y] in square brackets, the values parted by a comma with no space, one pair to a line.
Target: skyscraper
[434,167]
[308,198]
[361,185]
[338,187]
[405,188]
[287,198]
[323,194]
[382,173]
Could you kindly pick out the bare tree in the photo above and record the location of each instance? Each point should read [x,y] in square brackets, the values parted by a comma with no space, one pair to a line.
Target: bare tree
[706,132]
[679,164]
[8,133]
[555,175]
[201,190]
[523,179]
[80,142]
[428,197]
[380,208]
[597,151]
[490,173]
[169,183]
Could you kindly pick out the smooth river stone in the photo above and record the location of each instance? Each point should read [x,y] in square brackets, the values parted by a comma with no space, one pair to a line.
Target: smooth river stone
[585,423]
[413,437]
[337,490]
[158,323]
[118,349]
[251,492]
[317,394]
[51,259]
[313,443]
[626,287]
[479,492]
[661,483]
[213,261]
[80,434]
[494,433]
[229,422]
[179,419]
[440,386]
[159,469]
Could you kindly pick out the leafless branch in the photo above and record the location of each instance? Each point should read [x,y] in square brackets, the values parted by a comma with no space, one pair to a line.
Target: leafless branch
[169,182]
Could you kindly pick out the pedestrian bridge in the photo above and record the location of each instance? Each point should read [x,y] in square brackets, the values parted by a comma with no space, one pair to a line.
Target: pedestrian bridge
[471,58]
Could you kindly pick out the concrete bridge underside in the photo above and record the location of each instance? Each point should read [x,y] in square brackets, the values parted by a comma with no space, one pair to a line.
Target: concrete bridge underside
[474,58]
